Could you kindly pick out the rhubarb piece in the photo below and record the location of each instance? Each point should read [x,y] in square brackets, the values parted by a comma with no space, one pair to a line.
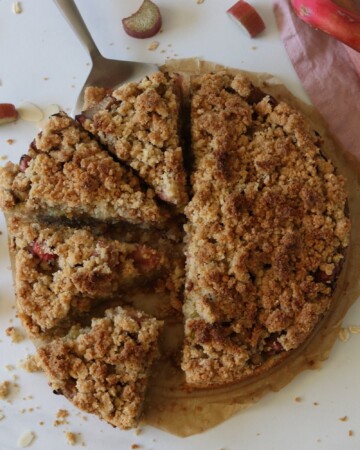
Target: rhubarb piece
[61,272]
[247,17]
[104,369]
[71,177]
[8,113]
[145,22]
[24,162]
[44,254]
[333,19]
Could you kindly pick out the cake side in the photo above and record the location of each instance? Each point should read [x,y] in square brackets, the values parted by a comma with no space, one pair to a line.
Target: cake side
[266,234]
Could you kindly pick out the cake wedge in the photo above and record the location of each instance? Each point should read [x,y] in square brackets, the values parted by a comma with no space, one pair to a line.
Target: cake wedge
[141,124]
[104,369]
[67,175]
[62,273]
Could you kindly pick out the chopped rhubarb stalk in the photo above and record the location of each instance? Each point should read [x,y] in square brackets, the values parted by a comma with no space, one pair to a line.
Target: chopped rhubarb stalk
[39,250]
[24,162]
[145,259]
[105,103]
[273,346]
[145,22]
[339,22]
[8,113]
[247,17]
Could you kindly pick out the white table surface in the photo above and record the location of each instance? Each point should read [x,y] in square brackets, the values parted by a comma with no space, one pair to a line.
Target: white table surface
[42,62]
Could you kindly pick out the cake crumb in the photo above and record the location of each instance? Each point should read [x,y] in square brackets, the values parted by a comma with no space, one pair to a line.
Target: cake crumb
[351,433]
[135,446]
[71,438]
[26,439]
[316,404]
[200,2]
[4,157]
[62,413]
[344,419]
[61,416]
[9,367]
[4,389]
[153,46]
[298,399]
[138,431]
[15,334]
[344,334]
[30,364]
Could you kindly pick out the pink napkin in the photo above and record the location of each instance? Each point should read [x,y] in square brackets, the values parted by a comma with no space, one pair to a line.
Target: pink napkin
[329,72]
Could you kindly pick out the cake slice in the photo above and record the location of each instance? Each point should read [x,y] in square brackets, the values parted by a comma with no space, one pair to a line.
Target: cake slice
[66,174]
[266,235]
[104,369]
[140,123]
[61,273]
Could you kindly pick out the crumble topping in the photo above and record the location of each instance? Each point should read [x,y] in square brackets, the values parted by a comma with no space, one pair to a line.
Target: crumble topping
[266,234]
[67,174]
[103,369]
[140,123]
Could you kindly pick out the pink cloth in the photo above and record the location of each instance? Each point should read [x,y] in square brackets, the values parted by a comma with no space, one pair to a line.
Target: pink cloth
[329,72]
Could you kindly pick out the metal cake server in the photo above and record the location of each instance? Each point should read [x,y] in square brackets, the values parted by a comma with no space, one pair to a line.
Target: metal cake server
[104,72]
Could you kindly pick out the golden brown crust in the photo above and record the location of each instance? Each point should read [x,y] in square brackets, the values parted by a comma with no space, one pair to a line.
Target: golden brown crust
[61,272]
[139,122]
[69,175]
[266,232]
[104,369]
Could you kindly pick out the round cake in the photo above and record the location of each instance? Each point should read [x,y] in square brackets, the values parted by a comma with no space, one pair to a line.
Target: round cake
[207,191]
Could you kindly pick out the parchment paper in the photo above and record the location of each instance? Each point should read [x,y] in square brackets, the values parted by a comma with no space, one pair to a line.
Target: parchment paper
[171,406]
[329,72]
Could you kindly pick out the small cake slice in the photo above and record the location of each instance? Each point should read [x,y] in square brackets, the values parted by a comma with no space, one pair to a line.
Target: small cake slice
[68,175]
[62,272]
[104,369]
[140,122]
[267,232]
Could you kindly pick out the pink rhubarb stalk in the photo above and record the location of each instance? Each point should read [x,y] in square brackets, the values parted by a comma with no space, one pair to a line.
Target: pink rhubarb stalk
[331,18]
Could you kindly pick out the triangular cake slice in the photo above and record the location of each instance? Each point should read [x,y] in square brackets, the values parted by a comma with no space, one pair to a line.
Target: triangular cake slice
[62,272]
[266,235]
[67,174]
[140,123]
[104,369]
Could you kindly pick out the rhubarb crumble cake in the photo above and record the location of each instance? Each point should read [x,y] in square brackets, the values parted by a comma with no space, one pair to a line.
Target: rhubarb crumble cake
[140,123]
[94,213]
[67,174]
[104,368]
[266,233]
[62,273]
